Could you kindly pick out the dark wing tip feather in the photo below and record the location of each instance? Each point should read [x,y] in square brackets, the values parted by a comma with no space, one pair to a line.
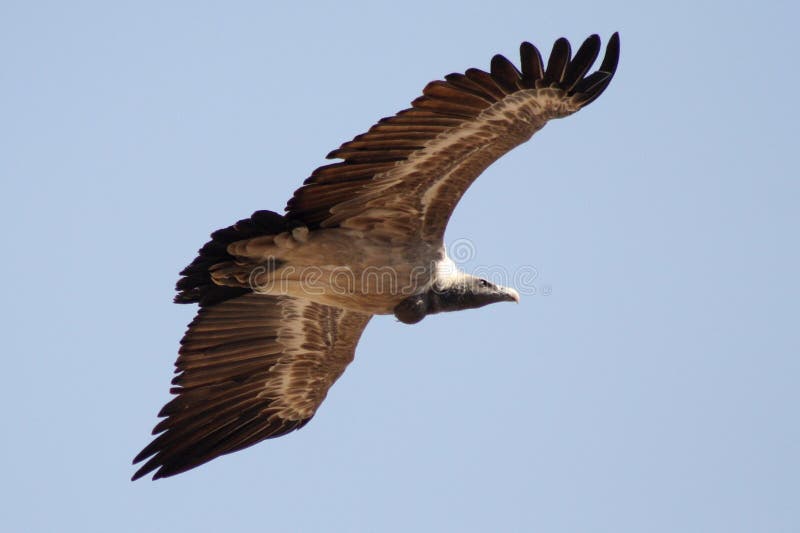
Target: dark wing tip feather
[558,62]
[582,62]
[588,89]
[249,430]
[611,59]
[531,63]
[505,73]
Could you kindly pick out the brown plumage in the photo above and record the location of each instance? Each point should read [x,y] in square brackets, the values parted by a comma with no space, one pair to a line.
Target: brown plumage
[261,354]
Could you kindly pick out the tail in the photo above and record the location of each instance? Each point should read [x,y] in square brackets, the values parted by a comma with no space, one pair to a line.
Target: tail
[196,285]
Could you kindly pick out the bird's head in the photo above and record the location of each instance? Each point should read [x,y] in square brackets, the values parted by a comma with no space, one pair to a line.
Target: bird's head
[469,292]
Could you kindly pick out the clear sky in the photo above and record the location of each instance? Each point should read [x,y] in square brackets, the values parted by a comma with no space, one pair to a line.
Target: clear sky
[650,384]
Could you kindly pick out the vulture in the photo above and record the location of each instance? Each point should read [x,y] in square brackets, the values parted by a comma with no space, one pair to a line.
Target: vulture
[284,298]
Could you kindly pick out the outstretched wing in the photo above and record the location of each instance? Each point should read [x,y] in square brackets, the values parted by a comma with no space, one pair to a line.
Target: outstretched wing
[250,368]
[403,178]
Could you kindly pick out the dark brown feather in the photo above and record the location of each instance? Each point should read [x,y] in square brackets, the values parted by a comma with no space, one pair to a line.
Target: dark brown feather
[372,156]
[582,62]
[506,74]
[445,107]
[343,171]
[451,92]
[378,141]
[486,82]
[387,136]
[611,58]
[531,63]
[591,87]
[557,64]
[465,84]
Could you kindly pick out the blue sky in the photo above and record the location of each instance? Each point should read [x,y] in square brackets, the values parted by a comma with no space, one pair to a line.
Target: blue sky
[650,384]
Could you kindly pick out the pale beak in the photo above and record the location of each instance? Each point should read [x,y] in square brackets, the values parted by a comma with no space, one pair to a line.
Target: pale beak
[511,294]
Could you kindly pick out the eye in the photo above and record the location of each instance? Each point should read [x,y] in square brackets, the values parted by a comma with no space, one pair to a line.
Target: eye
[483,283]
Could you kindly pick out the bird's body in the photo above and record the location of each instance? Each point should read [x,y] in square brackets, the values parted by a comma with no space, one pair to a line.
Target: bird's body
[359,272]
[284,298]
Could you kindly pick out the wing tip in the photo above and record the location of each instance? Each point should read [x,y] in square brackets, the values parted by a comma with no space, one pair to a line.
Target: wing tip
[158,471]
[611,59]
[166,461]
[567,72]
[143,470]
[604,74]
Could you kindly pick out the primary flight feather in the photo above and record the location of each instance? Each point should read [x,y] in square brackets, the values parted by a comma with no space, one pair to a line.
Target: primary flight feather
[284,298]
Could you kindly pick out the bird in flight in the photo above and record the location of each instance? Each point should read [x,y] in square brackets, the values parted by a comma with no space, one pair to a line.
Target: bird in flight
[283,299]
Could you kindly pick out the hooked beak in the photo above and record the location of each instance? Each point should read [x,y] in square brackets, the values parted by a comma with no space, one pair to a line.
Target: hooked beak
[510,295]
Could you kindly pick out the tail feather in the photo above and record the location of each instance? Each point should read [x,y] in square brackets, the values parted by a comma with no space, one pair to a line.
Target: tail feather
[196,285]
